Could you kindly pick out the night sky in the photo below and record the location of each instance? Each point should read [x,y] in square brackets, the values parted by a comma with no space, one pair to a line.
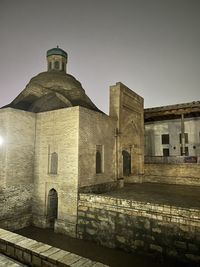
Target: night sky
[152,46]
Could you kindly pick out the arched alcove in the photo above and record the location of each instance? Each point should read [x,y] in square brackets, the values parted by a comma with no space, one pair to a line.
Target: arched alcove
[126,163]
[52,207]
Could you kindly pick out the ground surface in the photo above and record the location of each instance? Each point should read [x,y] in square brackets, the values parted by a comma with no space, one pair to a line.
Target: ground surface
[88,249]
[8,262]
[175,195]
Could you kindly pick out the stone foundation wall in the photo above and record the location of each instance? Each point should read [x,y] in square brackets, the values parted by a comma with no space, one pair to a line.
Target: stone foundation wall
[15,206]
[188,174]
[140,227]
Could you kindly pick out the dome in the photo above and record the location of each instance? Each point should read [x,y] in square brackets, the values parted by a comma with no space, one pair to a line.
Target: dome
[56,51]
[52,90]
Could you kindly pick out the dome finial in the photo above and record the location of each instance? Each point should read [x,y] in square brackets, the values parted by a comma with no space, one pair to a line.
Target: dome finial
[57,59]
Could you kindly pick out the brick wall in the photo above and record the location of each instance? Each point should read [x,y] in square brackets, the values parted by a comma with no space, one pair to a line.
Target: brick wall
[57,131]
[96,129]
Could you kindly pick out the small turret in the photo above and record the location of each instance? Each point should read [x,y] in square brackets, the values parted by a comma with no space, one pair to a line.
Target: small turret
[56,59]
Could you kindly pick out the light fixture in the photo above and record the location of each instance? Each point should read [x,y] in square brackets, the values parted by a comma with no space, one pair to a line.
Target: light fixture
[1,140]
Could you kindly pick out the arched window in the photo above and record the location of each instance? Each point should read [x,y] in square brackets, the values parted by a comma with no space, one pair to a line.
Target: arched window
[98,162]
[56,65]
[54,163]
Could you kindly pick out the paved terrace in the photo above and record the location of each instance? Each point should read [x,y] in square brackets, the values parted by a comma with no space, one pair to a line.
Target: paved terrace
[173,195]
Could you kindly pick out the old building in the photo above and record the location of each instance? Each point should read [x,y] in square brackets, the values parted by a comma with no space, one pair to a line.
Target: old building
[58,152]
[173,130]
[57,143]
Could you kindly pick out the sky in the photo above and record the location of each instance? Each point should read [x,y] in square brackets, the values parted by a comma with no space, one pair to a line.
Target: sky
[152,46]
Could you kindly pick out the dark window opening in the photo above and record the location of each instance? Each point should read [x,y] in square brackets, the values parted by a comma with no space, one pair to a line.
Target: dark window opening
[98,162]
[54,163]
[165,152]
[186,138]
[56,65]
[186,151]
[165,139]
[126,163]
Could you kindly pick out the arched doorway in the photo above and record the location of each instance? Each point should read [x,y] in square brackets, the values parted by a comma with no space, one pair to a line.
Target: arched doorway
[52,207]
[126,163]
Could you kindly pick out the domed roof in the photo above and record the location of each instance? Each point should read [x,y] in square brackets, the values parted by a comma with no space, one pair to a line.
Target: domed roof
[56,51]
[50,91]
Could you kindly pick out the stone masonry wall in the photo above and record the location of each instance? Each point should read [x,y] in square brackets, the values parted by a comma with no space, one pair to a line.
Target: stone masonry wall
[172,173]
[15,207]
[17,128]
[140,227]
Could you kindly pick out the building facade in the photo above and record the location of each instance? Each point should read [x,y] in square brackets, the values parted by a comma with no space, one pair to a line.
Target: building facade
[173,130]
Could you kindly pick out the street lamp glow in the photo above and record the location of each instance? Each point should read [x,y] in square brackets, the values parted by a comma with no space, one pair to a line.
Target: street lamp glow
[1,140]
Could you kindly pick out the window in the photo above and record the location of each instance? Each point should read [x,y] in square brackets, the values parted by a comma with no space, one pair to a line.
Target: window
[186,138]
[98,162]
[165,139]
[56,65]
[63,66]
[186,151]
[99,159]
[54,163]
[166,152]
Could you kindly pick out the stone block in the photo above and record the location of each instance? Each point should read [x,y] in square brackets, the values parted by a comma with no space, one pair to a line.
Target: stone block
[36,261]
[138,243]
[91,231]
[68,260]
[10,250]
[27,257]
[2,247]
[46,263]
[82,261]
[19,254]
[156,230]
[57,255]
[50,251]
[180,244]
[156,248]
[121,239]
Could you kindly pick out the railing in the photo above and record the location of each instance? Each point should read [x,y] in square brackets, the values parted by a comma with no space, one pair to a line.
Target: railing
[171,159]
